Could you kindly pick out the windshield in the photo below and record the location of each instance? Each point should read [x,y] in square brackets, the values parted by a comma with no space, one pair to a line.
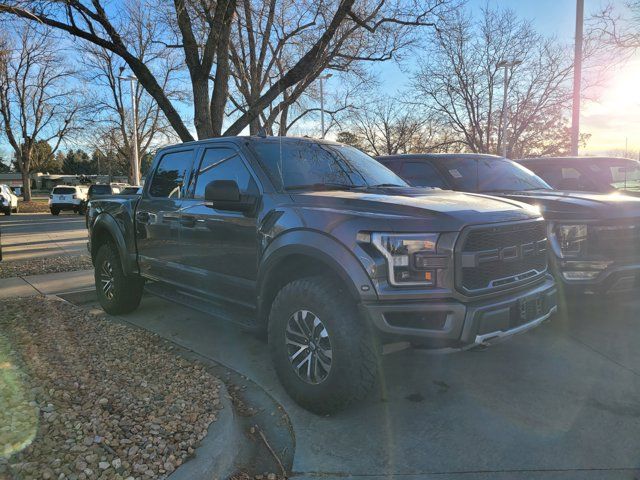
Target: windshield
[99,190]
[302,165]
[491,175]
[64,190]
[617,172]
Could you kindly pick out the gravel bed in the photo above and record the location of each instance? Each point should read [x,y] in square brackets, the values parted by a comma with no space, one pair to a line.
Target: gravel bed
[94,399]
[40,265]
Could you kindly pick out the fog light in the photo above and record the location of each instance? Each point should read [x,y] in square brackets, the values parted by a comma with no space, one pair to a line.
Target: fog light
[580,275]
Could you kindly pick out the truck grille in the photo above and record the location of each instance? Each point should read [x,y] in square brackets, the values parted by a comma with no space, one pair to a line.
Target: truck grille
[615,242]
[497,257]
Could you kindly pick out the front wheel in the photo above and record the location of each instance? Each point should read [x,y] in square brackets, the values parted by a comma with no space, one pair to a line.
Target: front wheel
[7,212]
[324,353]
[117,292]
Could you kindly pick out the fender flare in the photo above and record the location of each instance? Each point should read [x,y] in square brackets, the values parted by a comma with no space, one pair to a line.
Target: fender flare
[325,249]
[105,222]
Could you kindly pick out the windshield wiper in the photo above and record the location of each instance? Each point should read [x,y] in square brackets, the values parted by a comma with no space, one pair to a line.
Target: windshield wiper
[382,185]
[321,186]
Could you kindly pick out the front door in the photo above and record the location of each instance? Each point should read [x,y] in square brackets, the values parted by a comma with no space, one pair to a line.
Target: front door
[219,248]
[158,216]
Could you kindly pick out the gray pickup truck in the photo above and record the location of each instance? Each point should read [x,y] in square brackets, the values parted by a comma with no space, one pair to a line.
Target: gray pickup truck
[327,251]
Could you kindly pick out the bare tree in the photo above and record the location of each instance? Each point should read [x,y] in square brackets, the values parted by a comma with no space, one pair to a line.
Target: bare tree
[461,85]
[387,126]
[203,32]
[115,120]
[621,29]
[38,101]
[269,38]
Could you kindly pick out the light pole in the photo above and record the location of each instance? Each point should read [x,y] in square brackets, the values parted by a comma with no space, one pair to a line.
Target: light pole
[508,66]
[323,77]
[577,79]
[134,148]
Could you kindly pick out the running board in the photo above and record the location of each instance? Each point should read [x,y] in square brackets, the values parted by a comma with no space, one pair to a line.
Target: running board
[242,316]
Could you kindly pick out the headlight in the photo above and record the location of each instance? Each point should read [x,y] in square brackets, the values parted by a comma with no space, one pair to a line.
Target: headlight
[572,239]
[411,258]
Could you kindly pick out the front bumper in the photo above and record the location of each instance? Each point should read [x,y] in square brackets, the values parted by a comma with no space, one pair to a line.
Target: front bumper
[454,325]
[615,277]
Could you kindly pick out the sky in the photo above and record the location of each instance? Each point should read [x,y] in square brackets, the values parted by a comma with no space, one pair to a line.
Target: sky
[613,120]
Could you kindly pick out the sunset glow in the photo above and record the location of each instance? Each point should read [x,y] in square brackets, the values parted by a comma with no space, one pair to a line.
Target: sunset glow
[615,116]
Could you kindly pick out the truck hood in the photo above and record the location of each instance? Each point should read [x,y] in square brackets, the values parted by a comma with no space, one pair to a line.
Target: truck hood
[447,209]
[566,205]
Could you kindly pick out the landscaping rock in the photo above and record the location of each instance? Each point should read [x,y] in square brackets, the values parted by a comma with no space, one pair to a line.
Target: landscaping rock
[158,404]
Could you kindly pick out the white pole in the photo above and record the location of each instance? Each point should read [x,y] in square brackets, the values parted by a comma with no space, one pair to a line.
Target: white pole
[504,114]
[577,79]
[136,163]
[322,107]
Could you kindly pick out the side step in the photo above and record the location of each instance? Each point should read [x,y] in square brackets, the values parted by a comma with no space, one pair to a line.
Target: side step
[242,316]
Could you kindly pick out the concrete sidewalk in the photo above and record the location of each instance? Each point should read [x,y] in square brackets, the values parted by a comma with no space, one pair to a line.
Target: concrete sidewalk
[48,284]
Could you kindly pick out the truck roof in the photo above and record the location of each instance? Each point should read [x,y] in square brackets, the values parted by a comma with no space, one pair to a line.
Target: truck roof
[251,139]
[436,156]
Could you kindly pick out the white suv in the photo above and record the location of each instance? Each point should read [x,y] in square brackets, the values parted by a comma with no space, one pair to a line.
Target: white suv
[67,197]
[8,201]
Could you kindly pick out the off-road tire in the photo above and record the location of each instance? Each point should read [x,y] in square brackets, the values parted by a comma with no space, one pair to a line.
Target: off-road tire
[55,211]
[355,350]
[127,290]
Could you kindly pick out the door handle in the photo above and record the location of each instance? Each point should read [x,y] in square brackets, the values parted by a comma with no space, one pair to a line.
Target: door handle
[142,217]
[188,221]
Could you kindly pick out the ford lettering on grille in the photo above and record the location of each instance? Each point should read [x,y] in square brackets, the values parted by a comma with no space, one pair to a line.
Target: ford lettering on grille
[495,257]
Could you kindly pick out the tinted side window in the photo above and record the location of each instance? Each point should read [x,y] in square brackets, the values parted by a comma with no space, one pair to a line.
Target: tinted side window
[171,174]
[550,173]
[223,164]
[422,174]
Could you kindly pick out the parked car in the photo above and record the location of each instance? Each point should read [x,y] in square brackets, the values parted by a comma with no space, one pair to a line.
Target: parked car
[325,249]
[67,197]
[594,238]
[8,201]
[588,174]
[100,189]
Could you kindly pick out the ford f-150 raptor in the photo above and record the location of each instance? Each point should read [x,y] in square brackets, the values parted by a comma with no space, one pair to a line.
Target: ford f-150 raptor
[325,250]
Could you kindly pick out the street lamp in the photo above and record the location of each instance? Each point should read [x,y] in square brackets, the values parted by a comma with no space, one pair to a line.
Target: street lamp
[323,77]
[134,149]
[503,118]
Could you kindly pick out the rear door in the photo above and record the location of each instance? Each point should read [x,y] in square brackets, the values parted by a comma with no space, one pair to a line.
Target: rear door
[220,247]
[158,216]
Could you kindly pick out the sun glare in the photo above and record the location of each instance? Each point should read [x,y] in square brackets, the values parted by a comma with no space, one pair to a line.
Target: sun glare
[614,118]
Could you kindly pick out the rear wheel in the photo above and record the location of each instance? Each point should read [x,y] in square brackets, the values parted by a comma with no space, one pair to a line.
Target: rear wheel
[325,355]
[55,211]
[7,211]
[117,292]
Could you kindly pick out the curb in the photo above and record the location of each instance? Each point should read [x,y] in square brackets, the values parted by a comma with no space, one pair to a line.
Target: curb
[215,456]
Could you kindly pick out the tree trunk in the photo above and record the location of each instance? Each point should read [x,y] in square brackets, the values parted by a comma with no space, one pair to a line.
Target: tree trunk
[221,82]
[201,107]
[26,185]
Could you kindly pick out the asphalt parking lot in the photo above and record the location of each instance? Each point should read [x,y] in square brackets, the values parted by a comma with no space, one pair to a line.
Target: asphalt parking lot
[34,235]
[562,401]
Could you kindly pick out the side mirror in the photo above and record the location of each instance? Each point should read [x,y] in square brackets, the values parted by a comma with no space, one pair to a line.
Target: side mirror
[225,195]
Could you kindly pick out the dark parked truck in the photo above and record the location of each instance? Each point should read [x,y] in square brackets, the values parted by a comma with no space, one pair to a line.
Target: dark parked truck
[594,238]
[327,251]
[588,174]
